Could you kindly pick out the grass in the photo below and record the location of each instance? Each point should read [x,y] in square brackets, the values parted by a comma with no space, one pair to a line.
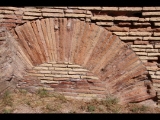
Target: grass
[53,108]
[43,93]
[7,99]
[90,108]
[138,109]
[47,102]
[6,111]
[110,100]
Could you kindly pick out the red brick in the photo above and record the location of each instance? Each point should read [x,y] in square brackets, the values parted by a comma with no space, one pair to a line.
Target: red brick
[118,29]
[99,50]
[41,37]
[39,40]
[23,43]
[141,42]
[44,29]
[32,44]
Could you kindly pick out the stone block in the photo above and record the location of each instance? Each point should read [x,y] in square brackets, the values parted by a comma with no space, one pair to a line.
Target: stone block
[29,17]
[35,74]
[140,33]
[63,69]
[75,11]
[59,72]
[32,14]
[137,42]
[121,33]
[52,15]
[151,72]
[80,70]
[125,18]
[44,71]
[148,58]
[149,8]
[60,79]
[75,15]
[143,20]
[76,73]
[141,53]
[109,8]
[105,23]
[90,8]
[51,68]
[52,10]
[71,76]
[142,46]
[157,72]
[154,68]
[154,19]
[102,17]
[8,12]
[32,10]
[9,16]
[151,38]
[49,75]
[156,34]
[157,46]
[131,38]
[150,13]
[157,8]
[45,78]
[141,24]
[59,65]
[89,77]
[138,49]
[156,23]
[152,50]
[8,8]
[153,54]
[130,9]
[74,66]
[155,77]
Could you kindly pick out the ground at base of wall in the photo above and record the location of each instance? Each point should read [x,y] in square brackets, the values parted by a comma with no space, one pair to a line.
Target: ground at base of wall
[21,101]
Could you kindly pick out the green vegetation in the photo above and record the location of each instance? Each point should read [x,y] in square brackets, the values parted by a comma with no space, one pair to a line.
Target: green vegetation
[46,102]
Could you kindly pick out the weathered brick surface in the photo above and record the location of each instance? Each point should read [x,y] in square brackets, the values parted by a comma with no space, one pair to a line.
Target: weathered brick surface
[130,8]
[82,42]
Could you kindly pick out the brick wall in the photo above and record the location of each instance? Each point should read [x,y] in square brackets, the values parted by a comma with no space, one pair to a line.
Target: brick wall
[136,26]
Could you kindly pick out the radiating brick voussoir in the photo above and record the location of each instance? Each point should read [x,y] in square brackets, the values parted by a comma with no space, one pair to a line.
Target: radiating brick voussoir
[77,57]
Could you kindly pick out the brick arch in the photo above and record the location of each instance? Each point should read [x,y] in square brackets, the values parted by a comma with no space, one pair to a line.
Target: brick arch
[109,66]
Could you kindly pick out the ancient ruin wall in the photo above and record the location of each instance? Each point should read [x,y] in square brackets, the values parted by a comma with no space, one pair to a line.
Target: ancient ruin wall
[136,26]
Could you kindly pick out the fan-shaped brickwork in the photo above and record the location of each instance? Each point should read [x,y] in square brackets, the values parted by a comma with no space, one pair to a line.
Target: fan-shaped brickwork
[81,59]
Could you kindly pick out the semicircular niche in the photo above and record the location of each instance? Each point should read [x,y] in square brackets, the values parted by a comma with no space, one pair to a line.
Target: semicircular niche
[81,59]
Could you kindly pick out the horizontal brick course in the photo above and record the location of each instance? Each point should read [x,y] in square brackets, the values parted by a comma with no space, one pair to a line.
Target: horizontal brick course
[52,10]
[150,13]
[130,8]
[52,15]
[140,33]
[102,17]
[142,46]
